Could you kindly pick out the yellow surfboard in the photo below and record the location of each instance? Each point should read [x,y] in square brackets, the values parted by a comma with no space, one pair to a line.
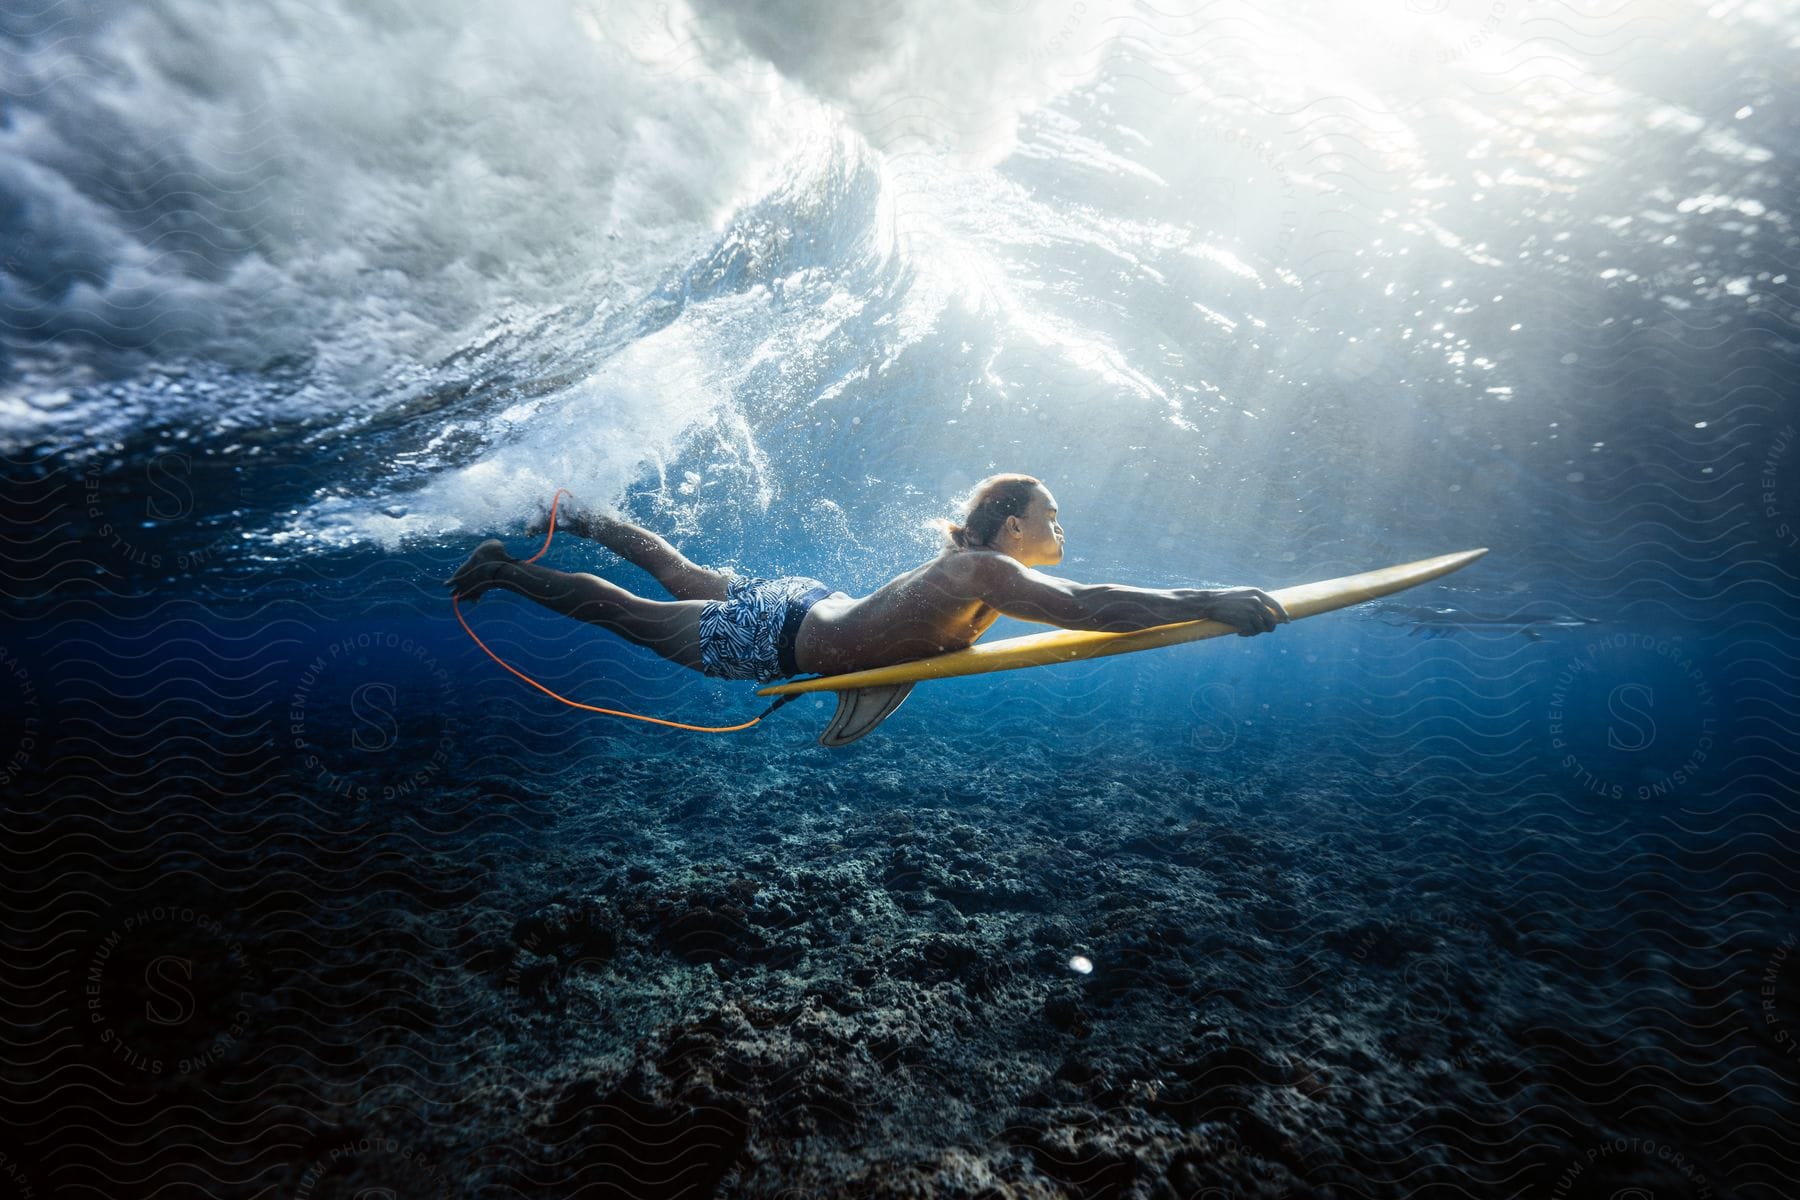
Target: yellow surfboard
[866,698]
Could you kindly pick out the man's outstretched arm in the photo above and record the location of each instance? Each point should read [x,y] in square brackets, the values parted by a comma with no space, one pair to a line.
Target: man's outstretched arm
[1018,591]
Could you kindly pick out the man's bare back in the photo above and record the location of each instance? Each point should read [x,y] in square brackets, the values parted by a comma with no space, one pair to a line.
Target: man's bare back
[932,609]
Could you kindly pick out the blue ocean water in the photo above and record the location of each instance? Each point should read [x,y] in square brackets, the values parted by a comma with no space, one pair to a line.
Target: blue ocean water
[1486,888]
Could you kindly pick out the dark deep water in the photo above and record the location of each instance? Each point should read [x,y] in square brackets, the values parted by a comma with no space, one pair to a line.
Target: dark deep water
[1487,889]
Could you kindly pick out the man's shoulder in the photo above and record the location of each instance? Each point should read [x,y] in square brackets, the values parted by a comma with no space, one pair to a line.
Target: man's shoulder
[971,566]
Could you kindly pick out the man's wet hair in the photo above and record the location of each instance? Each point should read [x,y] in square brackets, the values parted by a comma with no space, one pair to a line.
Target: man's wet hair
[987,507]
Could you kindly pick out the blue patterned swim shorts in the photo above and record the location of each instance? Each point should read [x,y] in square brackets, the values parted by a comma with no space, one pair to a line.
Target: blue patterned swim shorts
[751,633]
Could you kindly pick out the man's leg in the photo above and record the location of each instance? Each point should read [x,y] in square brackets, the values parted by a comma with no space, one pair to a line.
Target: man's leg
[669,627]
[685,580]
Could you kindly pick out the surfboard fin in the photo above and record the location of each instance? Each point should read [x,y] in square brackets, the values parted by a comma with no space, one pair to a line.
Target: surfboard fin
[860,710]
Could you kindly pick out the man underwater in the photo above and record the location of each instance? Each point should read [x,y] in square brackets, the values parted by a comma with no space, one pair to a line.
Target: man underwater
[730,627]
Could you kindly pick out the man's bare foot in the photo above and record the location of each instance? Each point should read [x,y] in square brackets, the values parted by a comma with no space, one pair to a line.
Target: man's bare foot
[479,572]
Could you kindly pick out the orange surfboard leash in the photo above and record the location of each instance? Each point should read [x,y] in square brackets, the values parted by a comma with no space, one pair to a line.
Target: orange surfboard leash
[456,608]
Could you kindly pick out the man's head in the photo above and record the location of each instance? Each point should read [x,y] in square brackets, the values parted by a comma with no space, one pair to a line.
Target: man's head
[1014,515]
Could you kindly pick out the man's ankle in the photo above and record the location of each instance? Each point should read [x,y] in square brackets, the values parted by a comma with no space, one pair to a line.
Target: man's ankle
[572,518]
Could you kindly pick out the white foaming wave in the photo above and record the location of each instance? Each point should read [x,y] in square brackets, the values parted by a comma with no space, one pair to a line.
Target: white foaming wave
[908,75]
[349,184]
[633,409]
[592,437]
